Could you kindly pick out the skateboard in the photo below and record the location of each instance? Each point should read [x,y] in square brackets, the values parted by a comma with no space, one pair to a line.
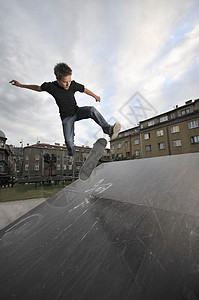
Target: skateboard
[93,158]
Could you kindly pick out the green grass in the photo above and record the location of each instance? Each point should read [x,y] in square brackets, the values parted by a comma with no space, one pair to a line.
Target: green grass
[28,191]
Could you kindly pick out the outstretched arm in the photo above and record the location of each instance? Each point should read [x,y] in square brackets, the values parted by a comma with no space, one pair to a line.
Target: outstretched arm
[26,86]
[88,92]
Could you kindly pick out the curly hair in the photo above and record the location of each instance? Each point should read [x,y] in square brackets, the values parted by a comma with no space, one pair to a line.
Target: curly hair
[62,69]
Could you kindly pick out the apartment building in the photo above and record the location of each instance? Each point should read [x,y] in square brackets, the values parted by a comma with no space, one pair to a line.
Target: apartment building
[49,160]
[7,158]
[170,133]
[122,146]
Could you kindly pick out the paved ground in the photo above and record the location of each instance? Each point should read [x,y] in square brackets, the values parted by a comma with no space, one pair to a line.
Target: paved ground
[12,210]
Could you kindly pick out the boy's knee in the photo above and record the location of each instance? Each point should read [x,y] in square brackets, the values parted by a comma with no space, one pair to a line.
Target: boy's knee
[93,109]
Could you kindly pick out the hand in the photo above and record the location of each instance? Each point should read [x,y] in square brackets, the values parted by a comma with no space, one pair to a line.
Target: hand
[97,98]
[14,82]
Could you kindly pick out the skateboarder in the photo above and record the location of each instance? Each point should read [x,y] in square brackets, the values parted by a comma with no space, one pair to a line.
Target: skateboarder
[63,90]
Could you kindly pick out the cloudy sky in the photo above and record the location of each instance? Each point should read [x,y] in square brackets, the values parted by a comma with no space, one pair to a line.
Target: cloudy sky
[140,57]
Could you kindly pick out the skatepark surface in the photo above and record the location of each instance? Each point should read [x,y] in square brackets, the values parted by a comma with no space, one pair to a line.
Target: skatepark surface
[130,232]
[12,210]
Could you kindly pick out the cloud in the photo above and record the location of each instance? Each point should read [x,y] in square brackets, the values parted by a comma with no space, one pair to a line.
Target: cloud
[154,62]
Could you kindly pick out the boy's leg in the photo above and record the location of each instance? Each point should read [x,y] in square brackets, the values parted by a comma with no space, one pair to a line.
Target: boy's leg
[68,130]
[87,112]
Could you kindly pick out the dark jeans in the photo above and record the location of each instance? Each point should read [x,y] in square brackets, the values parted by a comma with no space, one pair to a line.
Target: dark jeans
[84,112]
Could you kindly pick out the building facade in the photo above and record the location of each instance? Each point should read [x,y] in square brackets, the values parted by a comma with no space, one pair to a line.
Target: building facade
[52,160]
[7,158]
[18,153]
[174,132]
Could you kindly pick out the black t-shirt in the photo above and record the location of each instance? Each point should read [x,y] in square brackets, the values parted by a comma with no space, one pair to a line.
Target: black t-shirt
[65,99]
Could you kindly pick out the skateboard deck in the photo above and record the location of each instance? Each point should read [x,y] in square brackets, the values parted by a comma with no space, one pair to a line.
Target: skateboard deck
[93,158]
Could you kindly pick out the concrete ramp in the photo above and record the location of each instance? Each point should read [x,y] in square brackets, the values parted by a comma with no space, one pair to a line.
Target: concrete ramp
[130,232]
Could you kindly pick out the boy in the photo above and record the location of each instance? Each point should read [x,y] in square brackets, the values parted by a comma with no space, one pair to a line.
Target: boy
[63,90]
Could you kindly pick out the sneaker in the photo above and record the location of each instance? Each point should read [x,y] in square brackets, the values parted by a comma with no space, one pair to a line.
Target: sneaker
[114,131]
[70,160]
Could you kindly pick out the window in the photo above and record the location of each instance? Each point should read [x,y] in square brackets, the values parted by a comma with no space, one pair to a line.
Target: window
[26,167]
[175,129]
[119,155]
[27,157]
[126,133]
[172,116]
[161,146]
[148,148]
[119,146]
[1,144]
[185,111]
[64,167]
[163,119]
[193,124]
[112,147]
[195,139]
[58,167]
[151,123]
[127,144]
[137,153]
[160,133]
[177,143]
[147,136]
[182,112]
[37,167]
[37,157]
[136,142]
